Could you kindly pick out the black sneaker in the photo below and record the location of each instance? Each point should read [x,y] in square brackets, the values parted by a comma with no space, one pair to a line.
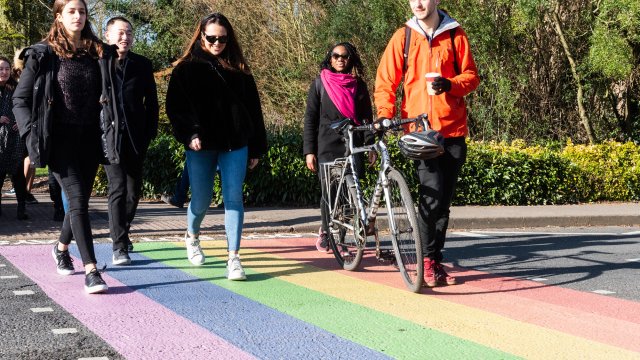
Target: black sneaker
[169,200]
[30,199]
[63,260]
[93,282]
[129,246]
[121,257]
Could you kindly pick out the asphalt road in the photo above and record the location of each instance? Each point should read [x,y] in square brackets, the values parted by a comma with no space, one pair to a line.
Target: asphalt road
[602,260]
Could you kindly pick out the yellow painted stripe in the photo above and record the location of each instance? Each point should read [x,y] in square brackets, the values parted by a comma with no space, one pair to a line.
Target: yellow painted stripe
[495,331]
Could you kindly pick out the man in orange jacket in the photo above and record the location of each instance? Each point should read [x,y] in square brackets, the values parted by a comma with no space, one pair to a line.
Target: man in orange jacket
[436,44]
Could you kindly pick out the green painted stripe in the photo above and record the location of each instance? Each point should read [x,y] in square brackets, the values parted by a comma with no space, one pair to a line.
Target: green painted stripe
[395,337]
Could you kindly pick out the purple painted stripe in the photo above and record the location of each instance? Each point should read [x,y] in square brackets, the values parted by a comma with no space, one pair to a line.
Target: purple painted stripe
[121,313]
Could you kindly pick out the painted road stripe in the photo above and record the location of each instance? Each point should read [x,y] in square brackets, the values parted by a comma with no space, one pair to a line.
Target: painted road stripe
[64,331]
[9,277]
[633,260]
[604,292]
[456,320]
[252,326]
[42,310]
[111,315]
[94,358]
[23,292]
[374,329]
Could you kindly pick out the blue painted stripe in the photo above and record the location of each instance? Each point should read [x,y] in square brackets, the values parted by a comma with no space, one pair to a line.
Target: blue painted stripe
[251,326]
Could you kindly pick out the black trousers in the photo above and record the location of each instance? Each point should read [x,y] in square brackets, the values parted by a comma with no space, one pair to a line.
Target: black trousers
[438,178]
[75,153]
[125,189]
[19,184]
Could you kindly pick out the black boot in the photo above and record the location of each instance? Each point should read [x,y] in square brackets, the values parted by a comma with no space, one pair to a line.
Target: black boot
[22,214]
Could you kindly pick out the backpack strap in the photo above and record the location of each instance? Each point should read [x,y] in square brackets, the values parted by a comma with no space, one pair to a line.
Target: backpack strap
[452,34]
[319,88]
[407,44]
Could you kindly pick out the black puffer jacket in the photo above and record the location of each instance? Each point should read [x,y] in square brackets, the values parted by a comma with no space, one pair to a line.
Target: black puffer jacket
[33,103]
[225,114]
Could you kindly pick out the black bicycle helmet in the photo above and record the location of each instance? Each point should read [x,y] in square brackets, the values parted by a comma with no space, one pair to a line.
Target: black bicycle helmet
[422,145]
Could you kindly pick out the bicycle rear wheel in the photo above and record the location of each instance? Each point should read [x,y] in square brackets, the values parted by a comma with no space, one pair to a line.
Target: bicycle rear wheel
[346,235]
[403,226]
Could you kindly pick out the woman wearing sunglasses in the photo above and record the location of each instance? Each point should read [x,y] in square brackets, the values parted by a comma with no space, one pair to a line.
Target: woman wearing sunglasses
[214,108]
[339,92]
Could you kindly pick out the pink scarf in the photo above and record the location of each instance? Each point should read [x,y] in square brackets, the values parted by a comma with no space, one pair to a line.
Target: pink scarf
[341,89]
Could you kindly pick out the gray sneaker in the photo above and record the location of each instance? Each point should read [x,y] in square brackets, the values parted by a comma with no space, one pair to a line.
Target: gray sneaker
[121,257]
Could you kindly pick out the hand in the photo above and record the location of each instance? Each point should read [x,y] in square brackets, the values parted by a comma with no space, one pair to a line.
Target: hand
[15,127]
[311,162]
[253,163]
[195,144]
[373,156]
[4,120]
[441,85]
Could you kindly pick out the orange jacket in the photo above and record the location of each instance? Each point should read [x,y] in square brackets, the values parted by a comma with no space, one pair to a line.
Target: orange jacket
[447,111]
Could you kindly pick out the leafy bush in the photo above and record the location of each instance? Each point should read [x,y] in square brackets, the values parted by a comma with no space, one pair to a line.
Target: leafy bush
[495,173]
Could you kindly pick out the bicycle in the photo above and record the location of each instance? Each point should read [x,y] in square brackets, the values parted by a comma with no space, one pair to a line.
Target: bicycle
[352,220]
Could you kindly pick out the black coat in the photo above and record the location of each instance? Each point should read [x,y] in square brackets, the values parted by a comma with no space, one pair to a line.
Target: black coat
[225,115]
[140,101]
[319,138]
[33,103]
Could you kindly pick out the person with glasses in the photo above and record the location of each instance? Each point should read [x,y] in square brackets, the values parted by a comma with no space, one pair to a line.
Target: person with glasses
[339,92]
[214,109]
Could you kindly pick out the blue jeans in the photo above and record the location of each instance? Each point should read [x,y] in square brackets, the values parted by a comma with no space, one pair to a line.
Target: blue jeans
[202,171]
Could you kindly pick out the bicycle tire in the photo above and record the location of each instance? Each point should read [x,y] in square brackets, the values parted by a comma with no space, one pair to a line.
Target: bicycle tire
[342,238]
[407,245]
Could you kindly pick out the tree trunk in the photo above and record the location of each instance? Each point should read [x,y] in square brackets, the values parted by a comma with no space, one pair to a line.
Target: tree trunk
[576,77]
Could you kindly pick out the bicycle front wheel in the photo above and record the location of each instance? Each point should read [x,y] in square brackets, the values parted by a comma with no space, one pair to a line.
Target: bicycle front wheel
[403,226]
[347,236]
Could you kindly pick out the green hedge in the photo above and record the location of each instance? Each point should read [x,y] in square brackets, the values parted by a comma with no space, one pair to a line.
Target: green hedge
[494,174]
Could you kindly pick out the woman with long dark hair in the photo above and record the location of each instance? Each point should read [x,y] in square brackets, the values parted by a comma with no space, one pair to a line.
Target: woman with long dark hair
[214,108]
[339,92]
[66,109]
[11,145]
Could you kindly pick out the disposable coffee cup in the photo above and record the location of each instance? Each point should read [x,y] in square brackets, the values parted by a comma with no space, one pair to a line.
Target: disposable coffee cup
[430,78]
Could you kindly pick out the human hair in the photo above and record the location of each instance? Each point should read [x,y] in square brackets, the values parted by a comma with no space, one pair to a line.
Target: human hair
[354,65]
[18,64]
[117,18]
[59,40]
[11,82]
[231,56]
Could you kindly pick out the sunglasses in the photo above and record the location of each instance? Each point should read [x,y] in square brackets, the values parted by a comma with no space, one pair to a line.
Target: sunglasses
[212,39]
[336,56]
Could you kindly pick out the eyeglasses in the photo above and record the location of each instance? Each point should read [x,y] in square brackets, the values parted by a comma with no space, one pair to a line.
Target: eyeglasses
[212,39]
[336,56]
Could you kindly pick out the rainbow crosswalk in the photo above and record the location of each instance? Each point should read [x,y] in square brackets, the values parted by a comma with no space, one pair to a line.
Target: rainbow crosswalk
[297,304]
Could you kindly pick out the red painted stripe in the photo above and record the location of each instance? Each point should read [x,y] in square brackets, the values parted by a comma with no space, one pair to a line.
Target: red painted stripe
[121,313]
[591,316]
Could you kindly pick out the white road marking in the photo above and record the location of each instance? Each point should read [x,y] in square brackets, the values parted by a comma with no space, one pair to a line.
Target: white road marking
[64,331]
[471,234]
[95,358]
[604,292]
[9,277]
[41,310]
[633,260]
[537,279]
[3,265]
[23,292]
[632,233]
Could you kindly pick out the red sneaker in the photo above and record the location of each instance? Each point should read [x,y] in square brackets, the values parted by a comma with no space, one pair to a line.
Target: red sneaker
[441,276]
[429,273]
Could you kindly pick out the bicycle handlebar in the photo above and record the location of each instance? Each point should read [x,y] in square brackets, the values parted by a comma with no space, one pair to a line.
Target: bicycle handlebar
[389,124]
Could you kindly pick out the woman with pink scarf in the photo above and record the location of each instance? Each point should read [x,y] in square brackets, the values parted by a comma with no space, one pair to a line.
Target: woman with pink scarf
[339,92]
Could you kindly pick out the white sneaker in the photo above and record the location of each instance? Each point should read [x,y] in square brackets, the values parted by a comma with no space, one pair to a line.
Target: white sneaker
[194,252]
[235,270]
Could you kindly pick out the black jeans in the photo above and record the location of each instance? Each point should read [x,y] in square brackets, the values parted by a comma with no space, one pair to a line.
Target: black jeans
[19,184]
[125,189]
[438,178]
[75,153]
